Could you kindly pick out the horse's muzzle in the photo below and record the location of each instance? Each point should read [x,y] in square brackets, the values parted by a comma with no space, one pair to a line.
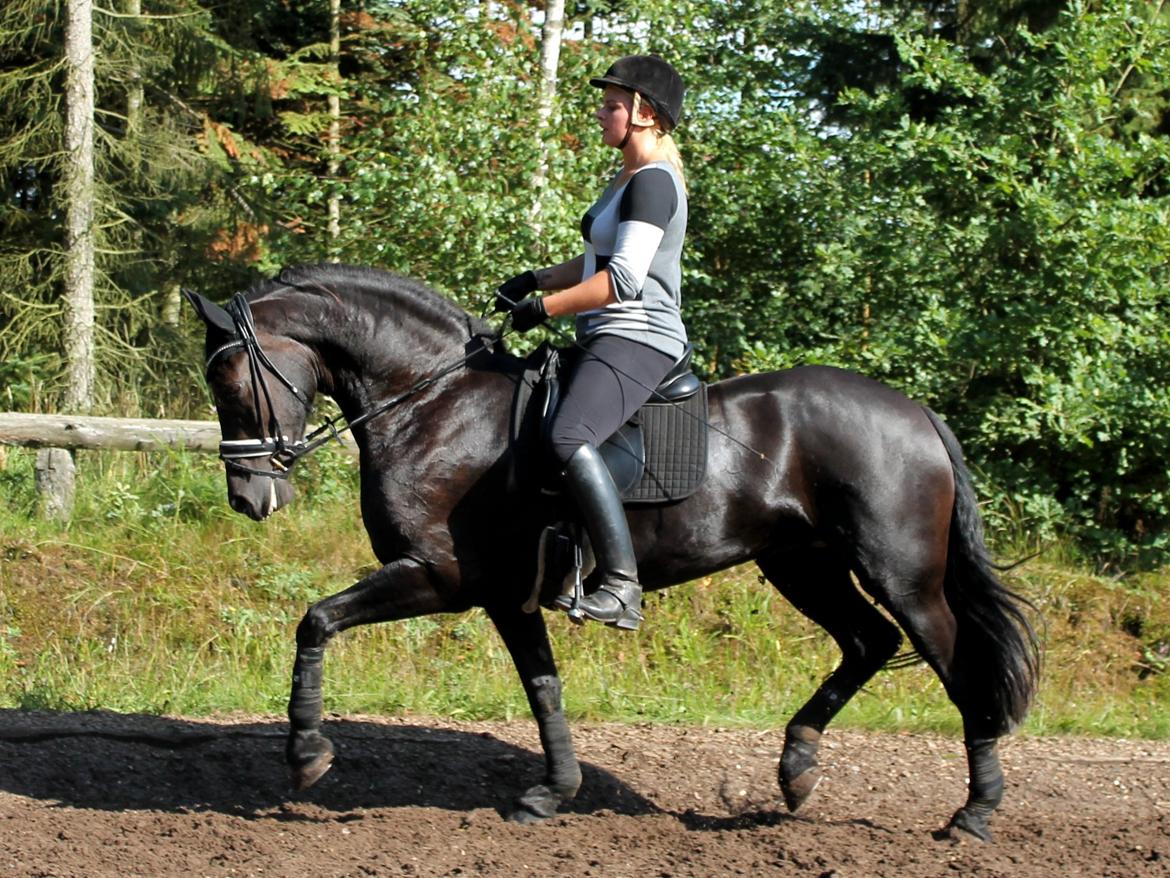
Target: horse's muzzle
[258,498]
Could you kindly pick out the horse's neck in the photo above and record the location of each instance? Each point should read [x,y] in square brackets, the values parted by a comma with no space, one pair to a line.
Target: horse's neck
[373,348]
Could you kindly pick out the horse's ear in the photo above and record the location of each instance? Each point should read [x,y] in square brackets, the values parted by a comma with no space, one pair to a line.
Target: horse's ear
[214,316]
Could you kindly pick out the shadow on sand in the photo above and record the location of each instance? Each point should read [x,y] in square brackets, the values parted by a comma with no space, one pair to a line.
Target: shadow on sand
[123,762]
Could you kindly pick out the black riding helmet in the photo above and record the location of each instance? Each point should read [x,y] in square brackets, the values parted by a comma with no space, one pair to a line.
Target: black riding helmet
[654,79]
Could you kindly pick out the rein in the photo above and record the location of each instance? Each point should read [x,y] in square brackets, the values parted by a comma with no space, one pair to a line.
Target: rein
[281,453]
[276,447]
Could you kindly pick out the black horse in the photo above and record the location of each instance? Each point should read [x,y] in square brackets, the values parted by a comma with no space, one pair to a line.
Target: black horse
[851,480]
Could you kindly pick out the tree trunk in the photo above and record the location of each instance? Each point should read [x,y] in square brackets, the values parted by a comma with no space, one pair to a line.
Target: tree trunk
[334,142]
[78,184]
[550,55]
[54,466]
[135,93]
[172,304]
[54,478]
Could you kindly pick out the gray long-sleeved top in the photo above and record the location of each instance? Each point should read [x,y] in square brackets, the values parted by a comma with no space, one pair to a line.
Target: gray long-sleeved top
[636,231]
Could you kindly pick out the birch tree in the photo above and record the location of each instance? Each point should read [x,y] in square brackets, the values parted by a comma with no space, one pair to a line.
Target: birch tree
[54,466]
[78,181]
[550,52]
[333,142]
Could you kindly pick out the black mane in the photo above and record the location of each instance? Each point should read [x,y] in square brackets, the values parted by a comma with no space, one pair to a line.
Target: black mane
[335,279]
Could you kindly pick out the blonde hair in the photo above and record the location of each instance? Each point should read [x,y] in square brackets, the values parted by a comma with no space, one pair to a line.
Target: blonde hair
[666,145]
[669,149]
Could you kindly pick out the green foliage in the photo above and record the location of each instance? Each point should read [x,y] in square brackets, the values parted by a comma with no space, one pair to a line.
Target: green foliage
[18,497]
[968,202]
[989,240]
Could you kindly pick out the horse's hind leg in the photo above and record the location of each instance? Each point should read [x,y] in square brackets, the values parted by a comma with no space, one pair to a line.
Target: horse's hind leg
[928,620]
[818,585]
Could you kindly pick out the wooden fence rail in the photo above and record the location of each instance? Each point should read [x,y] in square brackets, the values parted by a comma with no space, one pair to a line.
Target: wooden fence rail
[111,434]
[59,435]
[114,434]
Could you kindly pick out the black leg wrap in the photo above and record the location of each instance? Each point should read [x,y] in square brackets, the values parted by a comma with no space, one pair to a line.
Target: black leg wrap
[309,753]
[986,774]
[562,773]
[985,792]
[304,705]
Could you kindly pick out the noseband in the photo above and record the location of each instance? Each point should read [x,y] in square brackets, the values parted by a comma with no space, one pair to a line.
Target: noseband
[276,447]
[281,453]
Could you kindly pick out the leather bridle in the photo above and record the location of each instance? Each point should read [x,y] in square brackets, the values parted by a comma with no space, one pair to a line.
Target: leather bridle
[281,453]
[275,445]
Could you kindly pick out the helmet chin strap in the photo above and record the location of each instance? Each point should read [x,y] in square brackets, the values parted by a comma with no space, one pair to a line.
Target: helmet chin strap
[635,121]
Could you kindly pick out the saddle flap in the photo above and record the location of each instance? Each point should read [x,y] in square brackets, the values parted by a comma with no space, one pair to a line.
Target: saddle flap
[624,455]
[675,436]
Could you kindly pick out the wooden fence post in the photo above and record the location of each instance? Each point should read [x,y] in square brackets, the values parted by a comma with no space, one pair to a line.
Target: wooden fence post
[55,479]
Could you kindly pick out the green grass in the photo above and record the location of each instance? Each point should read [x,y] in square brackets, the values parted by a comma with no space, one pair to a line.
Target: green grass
[158,599]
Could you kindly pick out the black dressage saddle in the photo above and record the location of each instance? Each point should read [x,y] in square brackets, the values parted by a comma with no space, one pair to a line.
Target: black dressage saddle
[658,456]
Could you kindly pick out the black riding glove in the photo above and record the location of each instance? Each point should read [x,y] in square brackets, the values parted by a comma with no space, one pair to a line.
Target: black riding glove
[514,289]
[529,314]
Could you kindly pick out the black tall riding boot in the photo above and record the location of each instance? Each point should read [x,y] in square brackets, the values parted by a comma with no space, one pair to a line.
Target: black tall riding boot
[618,600]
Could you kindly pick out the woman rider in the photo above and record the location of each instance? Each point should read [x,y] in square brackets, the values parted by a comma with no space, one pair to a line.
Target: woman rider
[625,292]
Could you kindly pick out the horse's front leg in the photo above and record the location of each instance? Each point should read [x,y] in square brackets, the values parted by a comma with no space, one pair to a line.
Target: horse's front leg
[526,638]
[399,590]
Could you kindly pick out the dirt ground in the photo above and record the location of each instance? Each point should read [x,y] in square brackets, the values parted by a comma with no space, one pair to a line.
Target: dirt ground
[96,794]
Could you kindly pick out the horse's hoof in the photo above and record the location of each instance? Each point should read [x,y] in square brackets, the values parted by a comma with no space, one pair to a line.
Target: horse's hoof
[304,776]
[799,774]
[798,789]
[964,827]
[309,758]
[525,817]
[536,805]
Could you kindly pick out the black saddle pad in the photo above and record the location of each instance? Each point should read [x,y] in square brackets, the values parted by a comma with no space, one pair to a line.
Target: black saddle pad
[674,436]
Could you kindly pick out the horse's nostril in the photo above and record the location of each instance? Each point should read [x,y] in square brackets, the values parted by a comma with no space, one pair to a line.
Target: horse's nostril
[238,503]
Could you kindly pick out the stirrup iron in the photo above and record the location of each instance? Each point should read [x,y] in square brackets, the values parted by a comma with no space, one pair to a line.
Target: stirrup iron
[571,603]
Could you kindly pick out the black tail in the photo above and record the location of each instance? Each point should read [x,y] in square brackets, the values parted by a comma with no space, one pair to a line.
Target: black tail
[997,652]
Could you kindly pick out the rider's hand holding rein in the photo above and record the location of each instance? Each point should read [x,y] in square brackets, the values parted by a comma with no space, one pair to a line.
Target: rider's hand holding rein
[513,290]
[526,313]
[572,296]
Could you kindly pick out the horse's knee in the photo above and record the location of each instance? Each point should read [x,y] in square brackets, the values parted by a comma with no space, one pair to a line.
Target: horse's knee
[315,627]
